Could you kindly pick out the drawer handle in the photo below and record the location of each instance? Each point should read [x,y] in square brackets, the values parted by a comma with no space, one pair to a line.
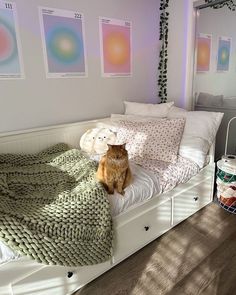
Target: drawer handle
[195,199]
[70,274]
[146,228]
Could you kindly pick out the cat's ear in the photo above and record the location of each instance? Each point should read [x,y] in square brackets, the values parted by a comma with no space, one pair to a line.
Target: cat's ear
[109,146]
[123,145]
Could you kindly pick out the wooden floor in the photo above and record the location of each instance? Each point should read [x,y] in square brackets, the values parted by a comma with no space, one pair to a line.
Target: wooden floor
[196,257]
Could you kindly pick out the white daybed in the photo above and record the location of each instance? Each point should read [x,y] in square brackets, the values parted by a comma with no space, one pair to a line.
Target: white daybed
[133,229]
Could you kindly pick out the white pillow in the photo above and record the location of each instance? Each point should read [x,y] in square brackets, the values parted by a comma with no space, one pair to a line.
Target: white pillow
[136,118]
[175,112]
[199,133]
[194,149]
[201,124]
[147,109]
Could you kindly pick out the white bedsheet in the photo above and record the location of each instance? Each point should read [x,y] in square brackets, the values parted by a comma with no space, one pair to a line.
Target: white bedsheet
[7,254]
[145,185]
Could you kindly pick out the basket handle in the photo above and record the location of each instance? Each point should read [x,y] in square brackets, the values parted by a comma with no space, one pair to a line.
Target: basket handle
[227,134]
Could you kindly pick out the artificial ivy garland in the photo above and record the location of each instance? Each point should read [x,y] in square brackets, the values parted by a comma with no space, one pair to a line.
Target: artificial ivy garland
[229,3]
[163,56]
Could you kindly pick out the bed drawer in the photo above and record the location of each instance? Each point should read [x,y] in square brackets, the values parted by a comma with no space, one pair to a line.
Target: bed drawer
[54,280]
[190,201]
[13,271]
[138,232]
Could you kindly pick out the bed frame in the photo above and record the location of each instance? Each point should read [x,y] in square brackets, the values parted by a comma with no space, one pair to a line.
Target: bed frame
[133,229]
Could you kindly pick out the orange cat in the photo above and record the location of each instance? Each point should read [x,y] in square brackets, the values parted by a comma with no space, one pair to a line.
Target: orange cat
[113,170]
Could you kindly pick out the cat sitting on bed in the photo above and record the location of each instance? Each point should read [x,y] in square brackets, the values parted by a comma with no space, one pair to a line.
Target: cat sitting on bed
[113,169]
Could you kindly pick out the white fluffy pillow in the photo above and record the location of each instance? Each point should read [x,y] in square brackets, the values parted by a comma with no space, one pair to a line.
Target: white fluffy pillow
[147,109]
[94,141]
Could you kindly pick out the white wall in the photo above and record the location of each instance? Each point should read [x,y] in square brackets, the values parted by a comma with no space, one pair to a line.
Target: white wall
[37,101]
[218,22]
[181,52]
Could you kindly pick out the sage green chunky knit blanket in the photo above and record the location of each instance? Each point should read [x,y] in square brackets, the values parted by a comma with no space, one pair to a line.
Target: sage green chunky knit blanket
[53,209]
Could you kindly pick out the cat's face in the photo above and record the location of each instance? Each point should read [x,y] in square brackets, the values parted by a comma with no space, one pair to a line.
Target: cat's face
[117,152]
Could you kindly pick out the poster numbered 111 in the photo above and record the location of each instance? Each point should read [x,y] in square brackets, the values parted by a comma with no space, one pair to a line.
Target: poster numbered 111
[11,64]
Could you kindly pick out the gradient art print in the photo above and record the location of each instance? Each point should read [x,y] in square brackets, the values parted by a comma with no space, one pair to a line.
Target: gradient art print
[203,52]
[115,44]
[223,55]
[63,42]
[10,58]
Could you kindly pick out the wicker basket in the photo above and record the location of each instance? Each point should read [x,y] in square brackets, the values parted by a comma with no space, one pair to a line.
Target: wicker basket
[226,183]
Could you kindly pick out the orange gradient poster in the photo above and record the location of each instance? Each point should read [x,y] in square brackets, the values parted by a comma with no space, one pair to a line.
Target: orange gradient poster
[203,52]
[115,46]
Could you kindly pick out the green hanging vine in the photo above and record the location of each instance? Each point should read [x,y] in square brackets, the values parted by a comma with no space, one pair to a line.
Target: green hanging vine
[163,56]
[229,3]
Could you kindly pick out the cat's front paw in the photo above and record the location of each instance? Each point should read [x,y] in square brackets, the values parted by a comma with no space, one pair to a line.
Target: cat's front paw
[122,192]
[110,191]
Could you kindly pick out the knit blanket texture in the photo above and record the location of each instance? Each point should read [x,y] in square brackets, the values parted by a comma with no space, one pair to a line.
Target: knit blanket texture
[52,209]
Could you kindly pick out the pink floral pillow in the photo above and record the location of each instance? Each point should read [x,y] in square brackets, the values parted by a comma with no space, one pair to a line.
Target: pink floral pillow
[157,140]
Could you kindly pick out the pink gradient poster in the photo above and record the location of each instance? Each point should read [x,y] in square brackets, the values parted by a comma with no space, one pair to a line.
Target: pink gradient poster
[115,44]
[203,52]
[11,65]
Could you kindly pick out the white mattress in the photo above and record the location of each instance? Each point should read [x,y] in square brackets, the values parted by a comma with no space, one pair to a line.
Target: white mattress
[159,177]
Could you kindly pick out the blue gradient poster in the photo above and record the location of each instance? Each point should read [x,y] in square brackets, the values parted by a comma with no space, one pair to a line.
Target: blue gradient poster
[63,43]
[223,55]
[10,50]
